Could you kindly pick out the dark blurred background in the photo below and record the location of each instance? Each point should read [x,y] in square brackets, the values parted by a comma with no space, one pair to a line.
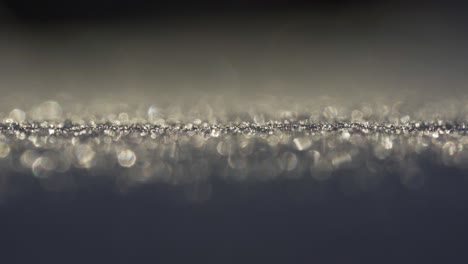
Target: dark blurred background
[104,11]
[102,48]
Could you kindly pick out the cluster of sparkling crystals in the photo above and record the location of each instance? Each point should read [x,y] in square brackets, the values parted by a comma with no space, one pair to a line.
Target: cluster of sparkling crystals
[52,147]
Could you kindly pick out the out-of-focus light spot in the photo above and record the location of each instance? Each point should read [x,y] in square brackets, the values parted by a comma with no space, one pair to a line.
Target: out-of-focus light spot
[288,161]
[155,115]
[4,149]
[84,155]
[198,141]
[356,116]
[126,158]
[405,119]
[17,115]
[124,118]
[302,144]
[367,111]
[28,157]
[215,133]
[43,166]
[288,115]
[315,155]
[273,140]
[245,146]
[237,162]
[381,152]
[330,112]
[345,135]
[49,110]
[222,148]
[450,148]
[341,159]
[387,143]
[259,119]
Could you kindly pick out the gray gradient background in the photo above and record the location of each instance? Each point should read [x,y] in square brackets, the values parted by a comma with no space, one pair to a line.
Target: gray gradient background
[345,49]
[354,51]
